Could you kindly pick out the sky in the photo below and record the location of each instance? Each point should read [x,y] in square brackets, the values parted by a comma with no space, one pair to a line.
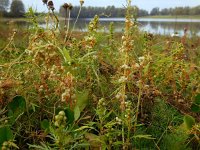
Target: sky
[144,4]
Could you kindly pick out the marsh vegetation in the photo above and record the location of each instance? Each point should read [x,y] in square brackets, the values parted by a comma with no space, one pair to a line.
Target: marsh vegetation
[66,89]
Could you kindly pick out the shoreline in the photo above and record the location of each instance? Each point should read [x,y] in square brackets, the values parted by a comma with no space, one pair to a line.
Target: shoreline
[116,18]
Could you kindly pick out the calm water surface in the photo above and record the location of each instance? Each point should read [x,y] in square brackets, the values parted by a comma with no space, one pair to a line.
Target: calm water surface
[152,25]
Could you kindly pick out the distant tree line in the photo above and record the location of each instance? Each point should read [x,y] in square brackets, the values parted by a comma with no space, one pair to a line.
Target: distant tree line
[112,11]
[109,11]
[14,9]
[176,11]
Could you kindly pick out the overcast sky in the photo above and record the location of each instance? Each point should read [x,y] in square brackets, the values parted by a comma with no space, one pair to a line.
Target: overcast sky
[144,4]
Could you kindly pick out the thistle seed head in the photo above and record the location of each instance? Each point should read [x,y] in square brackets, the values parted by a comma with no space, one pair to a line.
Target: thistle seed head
[81,2]
[70,6]
[50,5]
[45,1]
[65,6]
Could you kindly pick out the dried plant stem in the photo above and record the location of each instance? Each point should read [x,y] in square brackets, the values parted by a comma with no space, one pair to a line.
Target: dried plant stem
[69,14]
[75,22]
[57,20]
[138,106]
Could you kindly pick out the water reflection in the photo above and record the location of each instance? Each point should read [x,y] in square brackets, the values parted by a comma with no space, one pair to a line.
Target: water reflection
[156,26]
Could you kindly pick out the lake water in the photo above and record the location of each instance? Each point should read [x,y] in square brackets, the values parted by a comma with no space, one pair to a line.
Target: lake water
[156,26]
[152,25]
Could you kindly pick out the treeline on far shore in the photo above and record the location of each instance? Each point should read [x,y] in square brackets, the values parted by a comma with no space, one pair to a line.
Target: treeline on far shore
[17,9]
[112,11]
[109,11]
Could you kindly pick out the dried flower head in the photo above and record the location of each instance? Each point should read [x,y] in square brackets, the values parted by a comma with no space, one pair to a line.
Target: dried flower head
[45,1]
[81,2]
[70,6]
[50,5]
[65,6]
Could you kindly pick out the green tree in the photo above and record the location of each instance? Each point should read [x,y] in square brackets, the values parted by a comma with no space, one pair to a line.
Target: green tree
[155,11]
[4,5]
[17,8]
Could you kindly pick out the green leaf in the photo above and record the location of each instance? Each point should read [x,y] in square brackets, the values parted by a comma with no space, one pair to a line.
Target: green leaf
[45,125]
[16,108]
[189,121]
[195,108]
[77,113]
[82,99]
[70,115]
[83,128]
[197,99]
[146,68]
[5,135]
[94,140]
[196,104]
[149,137]
[66,55]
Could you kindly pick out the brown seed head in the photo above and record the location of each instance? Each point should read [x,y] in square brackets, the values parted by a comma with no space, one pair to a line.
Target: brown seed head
[45,1]
[65,6]
[81,2]
[50,5]
[70,6]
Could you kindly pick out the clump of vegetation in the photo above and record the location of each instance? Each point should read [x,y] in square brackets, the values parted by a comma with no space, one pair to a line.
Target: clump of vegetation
[100,90]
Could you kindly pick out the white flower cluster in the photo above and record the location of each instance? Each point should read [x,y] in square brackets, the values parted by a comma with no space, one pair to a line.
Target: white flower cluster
[125,66]
[118,120]
[136,66]
[141,60]
[65,95]
[120,96]
[128,109]
[29,52]
[139,83]
[122,79]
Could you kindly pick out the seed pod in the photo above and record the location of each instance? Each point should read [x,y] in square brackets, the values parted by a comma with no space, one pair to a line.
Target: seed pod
[5,143]
[57,117]
[56,124]
[62,113]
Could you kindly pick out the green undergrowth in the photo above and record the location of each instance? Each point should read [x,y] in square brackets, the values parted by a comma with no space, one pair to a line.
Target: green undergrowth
[60,89]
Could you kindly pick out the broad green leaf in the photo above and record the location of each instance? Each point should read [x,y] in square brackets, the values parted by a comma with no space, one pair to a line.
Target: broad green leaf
[82,99]
[70,116]
[5,135]
[189,121]
[197,99]
[45,125]
[77,113]
[196,104]
[195,108]
[66,55]
[16,107]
